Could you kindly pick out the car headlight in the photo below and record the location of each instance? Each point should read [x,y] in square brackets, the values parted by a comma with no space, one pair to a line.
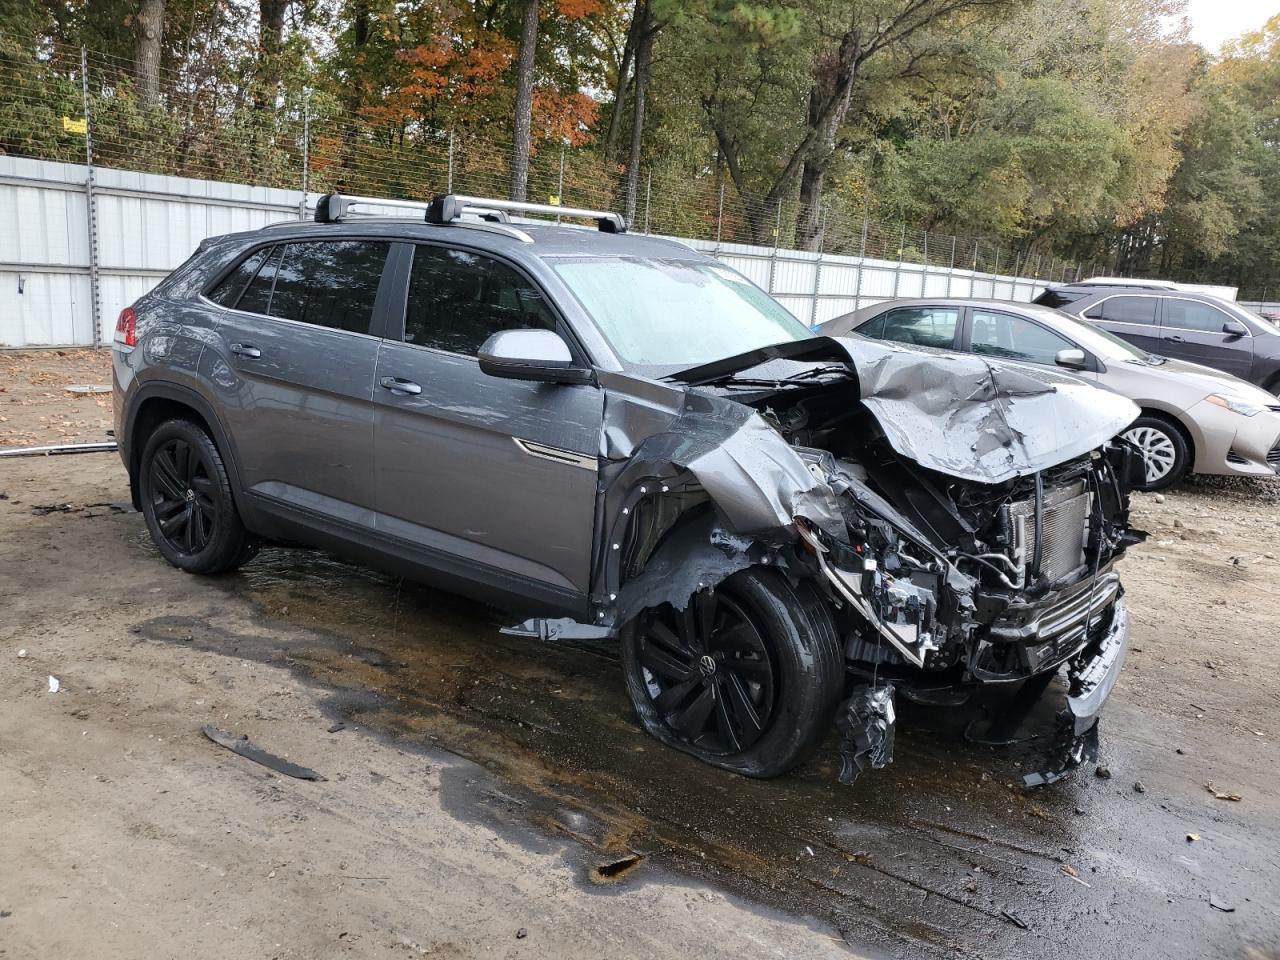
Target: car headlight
[1236,405]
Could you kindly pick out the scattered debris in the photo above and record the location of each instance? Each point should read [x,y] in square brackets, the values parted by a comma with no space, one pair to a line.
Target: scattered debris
[1103,773]
[337,726]
[1139,787]
[44,509]
[1069,871]
[867,724]
[1016,920]
[1159,498]
[88,388]
[54,684]
[521,933]
[242,746]
[615,870]
[1217,901]
[22,653]
[1192,837]
[1221,796]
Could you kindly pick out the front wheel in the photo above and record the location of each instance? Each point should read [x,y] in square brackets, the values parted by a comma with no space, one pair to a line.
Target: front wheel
[1163,448]
[187,501]
[746,677]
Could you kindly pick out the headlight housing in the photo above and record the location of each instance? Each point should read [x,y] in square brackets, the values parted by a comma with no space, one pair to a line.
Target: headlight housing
[1245,408]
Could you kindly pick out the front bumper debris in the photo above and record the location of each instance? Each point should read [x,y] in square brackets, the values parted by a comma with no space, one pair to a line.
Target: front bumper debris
[866,724]
[1091,677]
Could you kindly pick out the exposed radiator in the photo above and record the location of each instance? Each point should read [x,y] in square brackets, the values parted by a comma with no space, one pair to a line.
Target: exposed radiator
[1065,530]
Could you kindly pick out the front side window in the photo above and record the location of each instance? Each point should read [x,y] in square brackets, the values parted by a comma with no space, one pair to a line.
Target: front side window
[1191,315]
[1014,338]
[667,314]
[459,299]
[1136,310]
[922,326]
[328,283]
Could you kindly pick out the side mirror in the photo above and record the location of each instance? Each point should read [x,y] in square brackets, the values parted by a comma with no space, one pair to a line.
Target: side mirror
[538,355]
[1073,359]
[1233,328]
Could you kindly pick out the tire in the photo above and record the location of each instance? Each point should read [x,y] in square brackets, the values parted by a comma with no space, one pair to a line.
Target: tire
[755,693]
[187,502]
[1164,448]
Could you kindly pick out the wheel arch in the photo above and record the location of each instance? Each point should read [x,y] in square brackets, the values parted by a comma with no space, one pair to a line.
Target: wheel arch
[155,403]
[1176,422]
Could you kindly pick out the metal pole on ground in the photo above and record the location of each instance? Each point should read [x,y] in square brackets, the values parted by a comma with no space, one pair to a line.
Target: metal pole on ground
[91,204]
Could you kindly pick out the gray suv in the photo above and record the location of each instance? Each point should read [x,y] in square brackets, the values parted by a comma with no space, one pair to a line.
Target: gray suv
[617,437]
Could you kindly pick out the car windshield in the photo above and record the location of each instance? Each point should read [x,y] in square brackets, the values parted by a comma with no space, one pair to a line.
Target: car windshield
[664,315]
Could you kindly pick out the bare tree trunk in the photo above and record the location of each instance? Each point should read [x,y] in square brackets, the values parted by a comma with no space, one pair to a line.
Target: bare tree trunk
[270,44]
[150,34]
[620,88]
[524,101]
[644,57]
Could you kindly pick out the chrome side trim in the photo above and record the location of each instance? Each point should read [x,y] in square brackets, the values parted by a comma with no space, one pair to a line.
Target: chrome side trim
[555,454]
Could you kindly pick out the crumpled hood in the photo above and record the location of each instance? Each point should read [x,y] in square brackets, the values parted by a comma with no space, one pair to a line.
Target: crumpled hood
[981,419]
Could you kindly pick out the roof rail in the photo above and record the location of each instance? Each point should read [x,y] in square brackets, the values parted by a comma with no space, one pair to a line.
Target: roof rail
[447,207]
[334,207]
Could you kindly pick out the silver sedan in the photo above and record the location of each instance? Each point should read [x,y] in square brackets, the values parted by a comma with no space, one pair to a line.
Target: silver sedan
[1194,419]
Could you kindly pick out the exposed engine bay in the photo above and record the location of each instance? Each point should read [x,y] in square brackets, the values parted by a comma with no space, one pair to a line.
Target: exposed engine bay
[961,517]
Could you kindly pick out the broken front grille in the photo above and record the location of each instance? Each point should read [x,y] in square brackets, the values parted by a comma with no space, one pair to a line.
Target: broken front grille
[1065,530]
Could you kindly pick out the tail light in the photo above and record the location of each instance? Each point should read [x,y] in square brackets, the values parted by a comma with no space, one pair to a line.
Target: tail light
[126,328]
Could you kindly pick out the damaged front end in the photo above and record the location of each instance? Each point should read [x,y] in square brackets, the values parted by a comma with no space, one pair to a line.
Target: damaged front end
[959,518]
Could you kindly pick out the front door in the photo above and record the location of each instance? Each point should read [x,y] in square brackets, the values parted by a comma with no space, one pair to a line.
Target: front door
[500,473]
[297,366]
[1192,331]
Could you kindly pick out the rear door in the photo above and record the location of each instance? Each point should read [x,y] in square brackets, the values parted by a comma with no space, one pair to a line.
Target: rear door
[928,326]
[294,369]
[1192,330]
[1135,318]
[499,474]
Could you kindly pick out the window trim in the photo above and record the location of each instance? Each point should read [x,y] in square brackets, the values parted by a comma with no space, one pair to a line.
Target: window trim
[1091,362]
[377,319]
[1159,322]
[398,297]
[1211,306]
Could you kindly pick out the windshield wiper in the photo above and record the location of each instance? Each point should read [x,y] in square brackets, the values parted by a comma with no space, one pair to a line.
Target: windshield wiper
[811,374]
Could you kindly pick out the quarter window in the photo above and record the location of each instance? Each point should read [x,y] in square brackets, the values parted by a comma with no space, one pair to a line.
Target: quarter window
[925,326]
[1015,338]
[1136,310]
[458,299]
[227,293]
[1191,315]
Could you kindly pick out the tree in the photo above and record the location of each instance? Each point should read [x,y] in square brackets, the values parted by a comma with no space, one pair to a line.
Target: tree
[524,101]
[149,24]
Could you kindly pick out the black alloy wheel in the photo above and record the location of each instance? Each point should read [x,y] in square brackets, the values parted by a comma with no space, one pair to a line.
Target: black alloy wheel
[182,497]
[187,503]
[710,673]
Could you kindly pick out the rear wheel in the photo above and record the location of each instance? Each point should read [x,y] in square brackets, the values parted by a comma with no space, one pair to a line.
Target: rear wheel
[746,677]
[187,502]
[1163,448]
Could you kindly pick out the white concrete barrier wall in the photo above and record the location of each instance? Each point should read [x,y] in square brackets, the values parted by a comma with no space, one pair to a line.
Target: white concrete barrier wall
[148,224]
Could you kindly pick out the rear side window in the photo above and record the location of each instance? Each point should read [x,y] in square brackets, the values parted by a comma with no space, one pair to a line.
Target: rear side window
[1014,338]
[924,326]
[1137,310]
[1058,298]
[1191,315]
[458,299]
[227,293]
[327,283]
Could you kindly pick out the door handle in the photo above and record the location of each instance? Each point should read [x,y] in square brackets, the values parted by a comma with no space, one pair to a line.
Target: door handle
[246,350]
[1176,339]
[403,388]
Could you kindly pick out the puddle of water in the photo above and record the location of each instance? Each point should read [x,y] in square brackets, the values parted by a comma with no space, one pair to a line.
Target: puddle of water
[927,857]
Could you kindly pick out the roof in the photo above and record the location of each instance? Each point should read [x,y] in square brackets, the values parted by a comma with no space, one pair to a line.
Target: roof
[549,239]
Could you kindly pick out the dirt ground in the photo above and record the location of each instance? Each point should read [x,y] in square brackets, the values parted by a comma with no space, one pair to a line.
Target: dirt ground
[488,796]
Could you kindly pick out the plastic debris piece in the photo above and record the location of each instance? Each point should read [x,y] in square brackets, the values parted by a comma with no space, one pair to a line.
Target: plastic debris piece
[1016,920]
[22,653]
[1192,837]
[1217,901]
[54,684]
[867,724]
[242,746]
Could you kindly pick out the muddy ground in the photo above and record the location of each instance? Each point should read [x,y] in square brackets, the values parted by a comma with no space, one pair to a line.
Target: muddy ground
[484,787]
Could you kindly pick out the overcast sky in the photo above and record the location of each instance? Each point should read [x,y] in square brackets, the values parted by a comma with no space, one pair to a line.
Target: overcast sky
[1213,21]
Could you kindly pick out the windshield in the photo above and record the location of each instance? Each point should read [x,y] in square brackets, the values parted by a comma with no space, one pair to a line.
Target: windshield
[668,314]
